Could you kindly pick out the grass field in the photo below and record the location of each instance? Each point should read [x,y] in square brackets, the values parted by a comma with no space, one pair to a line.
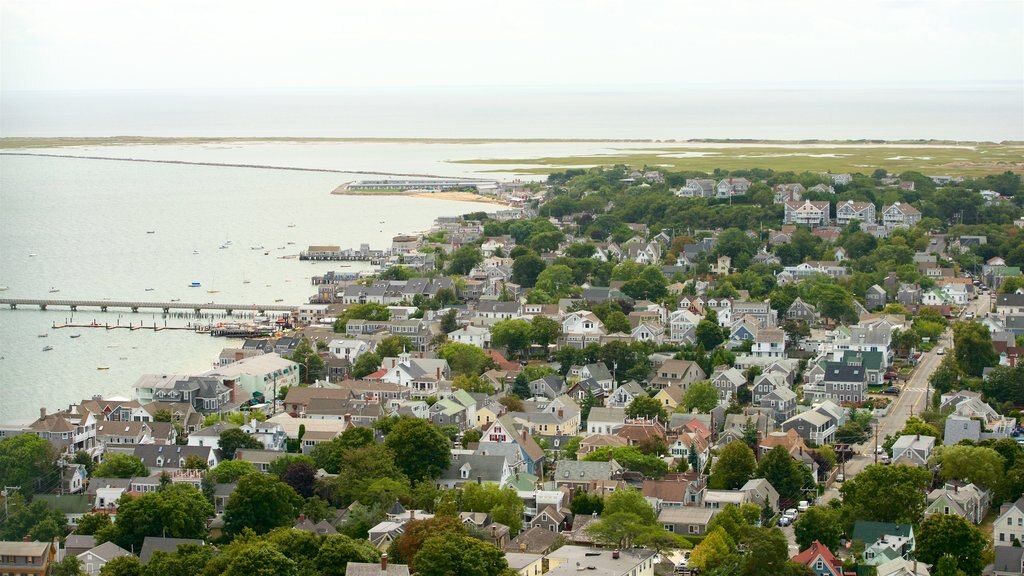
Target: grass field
[973,159]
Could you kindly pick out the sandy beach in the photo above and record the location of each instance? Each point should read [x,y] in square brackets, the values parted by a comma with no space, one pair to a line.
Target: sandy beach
[445,195]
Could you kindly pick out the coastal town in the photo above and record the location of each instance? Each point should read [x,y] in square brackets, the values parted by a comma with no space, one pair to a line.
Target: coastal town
[627,371]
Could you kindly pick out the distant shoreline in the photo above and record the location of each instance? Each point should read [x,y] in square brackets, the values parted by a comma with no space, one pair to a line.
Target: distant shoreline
[441,195]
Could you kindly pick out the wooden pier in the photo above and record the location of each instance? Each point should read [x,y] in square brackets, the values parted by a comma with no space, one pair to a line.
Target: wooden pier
[133,327]
[165,307]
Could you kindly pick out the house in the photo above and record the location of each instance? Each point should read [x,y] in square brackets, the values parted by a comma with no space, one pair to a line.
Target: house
[759,491]
[682,373]
[604,420]
[902,567]
[686,520]
[581,328]
[728,381]
[624,394]
[875,297]
[683,326]
[883,541]
[597,372]
[376,569]
[551,519]
[785,193]
[469,468]
[673,493]
[533,541]
[261,375]
[728,187]
[840,383]
[568,560]
[849,211]
[697,188]
[525,564]
[1009,526]
[479,336]
[502,437]
[900,215]
[820,560]
[873,364]
[969,502]
[802,312]
[158,457]
[93,560]
[813,426]
[670,397]
[1009,561]
[769,343]
[206,394]
[27,557]
[574,474]
[420,375]
[807,213]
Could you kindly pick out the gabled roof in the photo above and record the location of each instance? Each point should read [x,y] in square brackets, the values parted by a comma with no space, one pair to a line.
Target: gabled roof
[809,556]
[868,531]
[153,543]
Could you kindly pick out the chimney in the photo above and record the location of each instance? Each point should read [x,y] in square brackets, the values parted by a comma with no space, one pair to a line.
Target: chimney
[479,480]
[348,419]
[412,515]
[437,371]
[384,562]
[302,518]
[42,413]
[615,554]
[561,413]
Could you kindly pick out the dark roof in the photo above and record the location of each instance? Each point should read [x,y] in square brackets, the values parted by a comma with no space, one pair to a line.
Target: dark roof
[839,372]
[869,532]
[153,543]
[536,540]
[1009,558]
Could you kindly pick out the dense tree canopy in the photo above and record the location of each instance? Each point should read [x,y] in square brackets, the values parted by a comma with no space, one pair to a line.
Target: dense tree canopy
[421,451]
[260,503]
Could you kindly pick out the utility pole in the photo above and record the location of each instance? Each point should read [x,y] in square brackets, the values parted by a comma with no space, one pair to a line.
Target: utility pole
[876,442]
[5,493]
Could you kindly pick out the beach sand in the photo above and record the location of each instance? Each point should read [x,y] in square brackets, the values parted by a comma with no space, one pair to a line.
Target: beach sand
[447,195]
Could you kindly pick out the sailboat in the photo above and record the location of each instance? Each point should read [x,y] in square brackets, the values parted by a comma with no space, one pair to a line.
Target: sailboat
[244,279]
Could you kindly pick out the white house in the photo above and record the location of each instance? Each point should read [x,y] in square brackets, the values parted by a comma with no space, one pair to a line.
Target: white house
[479,336]
[348,348]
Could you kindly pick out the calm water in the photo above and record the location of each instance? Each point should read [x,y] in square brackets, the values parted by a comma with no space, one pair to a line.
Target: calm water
[988,112]
[87,223]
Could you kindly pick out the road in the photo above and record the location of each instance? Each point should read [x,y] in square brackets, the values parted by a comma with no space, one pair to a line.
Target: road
[912,400]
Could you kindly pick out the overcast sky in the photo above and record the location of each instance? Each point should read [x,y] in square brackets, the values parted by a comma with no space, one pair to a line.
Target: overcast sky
[190,44]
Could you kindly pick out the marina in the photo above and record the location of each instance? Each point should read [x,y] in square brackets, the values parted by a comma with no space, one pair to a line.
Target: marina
[166,307]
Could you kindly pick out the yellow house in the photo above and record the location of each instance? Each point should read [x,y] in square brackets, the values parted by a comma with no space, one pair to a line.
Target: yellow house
[487,414]
[525,564]
[670,397]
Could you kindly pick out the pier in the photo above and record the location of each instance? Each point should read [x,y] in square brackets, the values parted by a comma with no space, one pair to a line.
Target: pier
[135,306]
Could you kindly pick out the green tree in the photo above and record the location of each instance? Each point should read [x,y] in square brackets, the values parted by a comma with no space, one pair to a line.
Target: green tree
[233,439]
[851,432]
[734,466]
[463,555]
[951,535]
[585,504]
[503,504]
[715,549]
[616,322]
[887,494]
[631,458]
[788,476]
[766,552]
[631,500]
[177,511]
[311,365]
[473,384]
[976,464]
[617,529]
[367,363]
[821,523]
[92,523]
[421,451]
[465,358]
[556,280]
[972,346]
[701,396]
[735,519]
[392,346]
[187,560]
[69,566]
[229,471]
[338,550]
[646,407]
[261,503]
[369,311]
[526,268]
[122,566]
[464,259]
[121,466]
[544,331]
[709,334]
[36,520]
[449,321]
[405,548]
[261,559]
[514,335]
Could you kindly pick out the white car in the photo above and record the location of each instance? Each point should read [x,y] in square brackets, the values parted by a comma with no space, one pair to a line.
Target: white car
[803,506]
[940,350]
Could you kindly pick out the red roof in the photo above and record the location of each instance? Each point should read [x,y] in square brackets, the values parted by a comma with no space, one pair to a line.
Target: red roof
[502,362]
[376,375]
[810,556]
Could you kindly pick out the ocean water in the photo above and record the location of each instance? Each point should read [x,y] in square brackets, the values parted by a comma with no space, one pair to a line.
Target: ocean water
[823,111]
[86,222]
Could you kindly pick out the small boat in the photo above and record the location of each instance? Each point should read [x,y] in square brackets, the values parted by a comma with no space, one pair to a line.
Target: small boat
[124,357]
[266,253]
[150,231]
[47,348]
[279,300]
[43,335]
[291,243]
[195,285]
[194,252]
[227,242]
[260,247]
[2,288]
[280,247]
[245,282]
[112,345]
[32,255]
[175,299]
[223,246]
[103,367]
[291,225]
[76,335]
[149,289]
[213,291]
[54,290]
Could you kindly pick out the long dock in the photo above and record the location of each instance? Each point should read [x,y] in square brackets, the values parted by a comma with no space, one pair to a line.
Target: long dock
[165,307]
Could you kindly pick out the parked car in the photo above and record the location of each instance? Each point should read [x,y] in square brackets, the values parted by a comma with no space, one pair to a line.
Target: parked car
[892,390]
[803,506]
[940,350]
[840,478]
[785,521]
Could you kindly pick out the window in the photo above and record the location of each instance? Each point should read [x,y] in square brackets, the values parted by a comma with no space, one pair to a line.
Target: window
[694,529]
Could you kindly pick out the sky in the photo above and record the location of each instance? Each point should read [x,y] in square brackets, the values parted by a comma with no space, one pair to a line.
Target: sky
[252,44]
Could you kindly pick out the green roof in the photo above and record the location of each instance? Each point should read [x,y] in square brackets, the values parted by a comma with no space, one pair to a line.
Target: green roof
[1006,270]
[68,503]
[869,360]
[524,483]
[869,532]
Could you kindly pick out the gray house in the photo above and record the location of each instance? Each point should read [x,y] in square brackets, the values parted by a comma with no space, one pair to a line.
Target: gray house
[802,311]
[782,402]
[875,297]
[686,520]
[841,383]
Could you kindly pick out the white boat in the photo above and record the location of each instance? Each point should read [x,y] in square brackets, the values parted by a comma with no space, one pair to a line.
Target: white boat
[150,231]
[43,335]
[32,255]
[260,247]
[54,290]
[2,288]
[149,289]
[76,335]
[195,252]
[223,246]
[47,348]
[112,345]
[291,225]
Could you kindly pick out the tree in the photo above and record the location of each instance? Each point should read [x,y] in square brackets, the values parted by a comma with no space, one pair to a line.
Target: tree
[121,466]
[976,464]
[788,476]
[716,547]
[709,334]
[405,548]
[392,346]
[311,365]
[177,511]
[261,559]
[464,259]
[233,439]
[473,384]
[585,504]
[734,519]
[835,302]
[187,560]
[544,331]
[526,268]
[734,466]
[851,432]
[449,321]
[230,471]
[367,363]
[280,465]
[631,458]
[767,552]
[631,500]
[821,523]
[37,520]
[701,396]
[465,358]
[887,493]
[128,565]
[420,449]
[617,529]
[92,523]
[69,566]
[617,322]
[503,504]
[301,477]
[515,335]
[647,408]
[943,535]
[660,540]
[338,550]
[261,503]
[370,311]
[463,555]
[972,346]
